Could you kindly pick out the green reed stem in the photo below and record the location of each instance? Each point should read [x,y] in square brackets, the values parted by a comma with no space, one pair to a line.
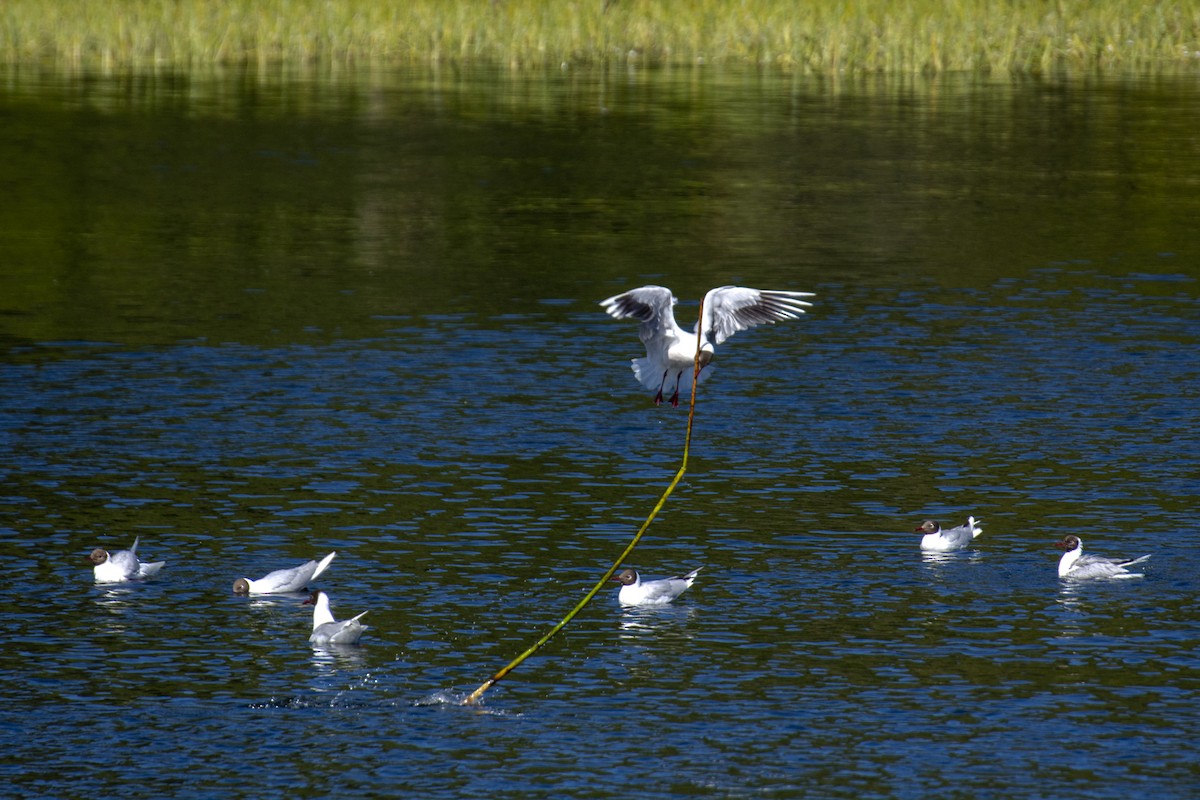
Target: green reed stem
[475,696]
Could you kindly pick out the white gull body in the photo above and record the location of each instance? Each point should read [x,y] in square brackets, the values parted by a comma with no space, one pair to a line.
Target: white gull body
[282,581]
[327,630]
[637,592]
[1075,564]
[671,351]
[942,540]
[121,565]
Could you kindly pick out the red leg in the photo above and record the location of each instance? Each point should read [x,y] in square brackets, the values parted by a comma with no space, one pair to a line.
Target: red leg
[658,398]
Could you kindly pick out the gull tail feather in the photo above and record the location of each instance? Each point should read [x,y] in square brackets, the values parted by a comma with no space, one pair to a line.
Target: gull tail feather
[647,374]
[323,565]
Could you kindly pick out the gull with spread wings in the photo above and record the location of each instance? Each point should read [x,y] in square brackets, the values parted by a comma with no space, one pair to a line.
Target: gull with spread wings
[671,351]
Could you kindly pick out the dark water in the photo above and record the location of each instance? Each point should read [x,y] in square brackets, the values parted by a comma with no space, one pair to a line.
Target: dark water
[251,320]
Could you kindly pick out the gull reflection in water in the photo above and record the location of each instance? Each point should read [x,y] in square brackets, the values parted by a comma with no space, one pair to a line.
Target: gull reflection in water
[1069,597]
[637,620]
[274,602]
[1075,620]
[935,560]
[114,597]
[117,600]
[329,658]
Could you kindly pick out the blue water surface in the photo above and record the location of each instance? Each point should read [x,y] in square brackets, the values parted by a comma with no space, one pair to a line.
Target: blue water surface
[439,398]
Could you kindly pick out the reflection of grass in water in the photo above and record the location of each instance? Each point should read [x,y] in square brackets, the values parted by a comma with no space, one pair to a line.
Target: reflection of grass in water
[819,35]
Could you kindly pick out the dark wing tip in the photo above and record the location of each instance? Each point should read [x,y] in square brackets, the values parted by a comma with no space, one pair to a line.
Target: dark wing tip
[625,306]
[642,304]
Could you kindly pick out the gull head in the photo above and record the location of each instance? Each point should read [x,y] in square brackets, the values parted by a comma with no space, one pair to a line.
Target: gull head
[625,577]
[1068,543]
[98,556]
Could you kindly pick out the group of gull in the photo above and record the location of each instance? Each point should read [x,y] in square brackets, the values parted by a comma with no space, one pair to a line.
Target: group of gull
[1074,564]
[671,353]
[121,566]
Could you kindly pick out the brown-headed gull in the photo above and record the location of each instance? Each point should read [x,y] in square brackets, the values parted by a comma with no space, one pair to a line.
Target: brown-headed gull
[282,581]
[671,351]
[637,592]
[327,630]
[1074,564]
[944,540]
[121,565]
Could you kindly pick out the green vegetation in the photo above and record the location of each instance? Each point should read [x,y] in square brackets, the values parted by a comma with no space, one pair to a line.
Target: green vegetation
[811,36]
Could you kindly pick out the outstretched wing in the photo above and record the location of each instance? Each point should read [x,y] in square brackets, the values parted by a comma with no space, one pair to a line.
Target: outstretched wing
[650,305]
[729,309]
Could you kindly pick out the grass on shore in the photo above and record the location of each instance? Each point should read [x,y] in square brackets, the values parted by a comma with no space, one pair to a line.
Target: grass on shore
[809,36]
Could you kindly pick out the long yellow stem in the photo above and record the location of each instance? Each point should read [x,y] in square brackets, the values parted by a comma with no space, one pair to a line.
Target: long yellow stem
[475,696]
